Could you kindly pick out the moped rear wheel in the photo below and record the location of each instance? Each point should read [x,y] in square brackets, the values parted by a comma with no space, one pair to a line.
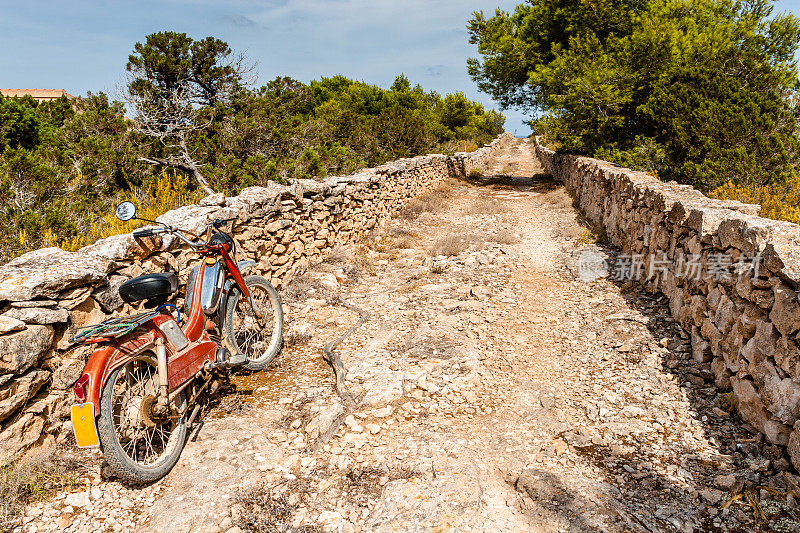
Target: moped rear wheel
[139,446]
[259,340]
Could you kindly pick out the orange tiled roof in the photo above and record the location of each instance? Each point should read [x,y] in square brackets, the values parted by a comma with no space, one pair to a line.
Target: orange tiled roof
[36,94]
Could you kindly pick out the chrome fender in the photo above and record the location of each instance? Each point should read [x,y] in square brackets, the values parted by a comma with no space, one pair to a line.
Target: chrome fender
[244,267]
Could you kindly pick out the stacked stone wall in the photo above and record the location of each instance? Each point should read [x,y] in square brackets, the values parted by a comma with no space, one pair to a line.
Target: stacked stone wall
[731,277]
[46,294]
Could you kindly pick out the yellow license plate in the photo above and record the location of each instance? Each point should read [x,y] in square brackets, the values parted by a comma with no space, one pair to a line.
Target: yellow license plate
[83,425]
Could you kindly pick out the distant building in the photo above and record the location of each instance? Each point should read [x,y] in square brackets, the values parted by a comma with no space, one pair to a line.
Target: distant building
[40,95]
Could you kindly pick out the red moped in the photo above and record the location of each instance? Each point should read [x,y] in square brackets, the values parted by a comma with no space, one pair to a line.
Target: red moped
[139,391]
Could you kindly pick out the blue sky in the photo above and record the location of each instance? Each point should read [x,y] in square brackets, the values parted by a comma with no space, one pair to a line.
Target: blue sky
[788,5]
[83,45]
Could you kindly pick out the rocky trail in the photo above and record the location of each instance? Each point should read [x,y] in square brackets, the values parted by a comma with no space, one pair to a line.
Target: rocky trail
[489,389]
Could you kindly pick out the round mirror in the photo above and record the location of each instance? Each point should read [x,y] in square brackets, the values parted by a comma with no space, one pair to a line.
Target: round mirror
[126,211]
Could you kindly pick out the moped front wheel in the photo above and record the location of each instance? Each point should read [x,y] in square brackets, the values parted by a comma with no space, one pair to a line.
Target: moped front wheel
[140,446]
[259,338]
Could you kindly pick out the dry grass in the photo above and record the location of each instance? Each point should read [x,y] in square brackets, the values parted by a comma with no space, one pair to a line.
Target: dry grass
[504,236]
[558,198]
[338,255]
[438,268]
[299,411]
[430,202]
[485,206]
[362,260]
[269,508]
[351,259]
[584,236]
[728,403]
[508,169]
[301,288]
[400,238]
[262,512]
[456,244]
[34,477]
[587,236]
[396,239]
[232,402]
[364,483]
[297,338]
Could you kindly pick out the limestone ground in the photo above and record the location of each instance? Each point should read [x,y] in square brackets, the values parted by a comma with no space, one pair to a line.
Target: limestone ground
[492,391]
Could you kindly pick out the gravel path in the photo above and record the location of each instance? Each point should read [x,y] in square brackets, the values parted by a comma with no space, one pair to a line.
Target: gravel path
[492,391]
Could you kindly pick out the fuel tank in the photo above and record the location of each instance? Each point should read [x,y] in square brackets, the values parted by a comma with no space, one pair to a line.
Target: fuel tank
[211,284]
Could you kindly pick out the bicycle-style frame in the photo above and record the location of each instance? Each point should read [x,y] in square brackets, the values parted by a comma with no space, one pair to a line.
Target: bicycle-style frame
[176,367]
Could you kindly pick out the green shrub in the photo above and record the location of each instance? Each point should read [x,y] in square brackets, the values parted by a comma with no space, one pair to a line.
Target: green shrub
[701,91]
[64,164]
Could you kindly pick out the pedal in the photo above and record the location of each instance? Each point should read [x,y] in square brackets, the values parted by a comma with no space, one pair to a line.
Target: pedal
[236,360]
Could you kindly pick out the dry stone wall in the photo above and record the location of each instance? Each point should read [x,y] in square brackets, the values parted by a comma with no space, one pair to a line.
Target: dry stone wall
[46,294]
[732,280]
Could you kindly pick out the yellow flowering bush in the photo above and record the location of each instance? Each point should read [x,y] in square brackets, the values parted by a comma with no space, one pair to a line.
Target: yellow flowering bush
[778,201]
[170,192]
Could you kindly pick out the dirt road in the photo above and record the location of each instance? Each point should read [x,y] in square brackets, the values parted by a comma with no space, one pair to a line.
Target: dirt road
[492,391]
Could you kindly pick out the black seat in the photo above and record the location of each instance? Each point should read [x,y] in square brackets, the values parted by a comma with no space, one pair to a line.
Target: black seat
[155,288]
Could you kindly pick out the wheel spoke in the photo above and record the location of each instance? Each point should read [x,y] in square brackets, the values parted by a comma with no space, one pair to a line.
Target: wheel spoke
[135,386]
[132,444]
[162,437]
[250,338]
[151,452]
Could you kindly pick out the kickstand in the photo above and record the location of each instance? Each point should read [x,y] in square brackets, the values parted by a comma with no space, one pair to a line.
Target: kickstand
[195,429]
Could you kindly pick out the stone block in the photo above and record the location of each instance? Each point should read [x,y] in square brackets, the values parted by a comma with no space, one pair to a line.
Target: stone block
[777,432]
[785,314]
[47,272]
[20,435]
[787,356]
[722,376]
[750,406]
[8,324]
[70,367]
[762,344]
[19,390]
[726,315]
[21,350]
[39,315]
[706,221]
[747,322]
[88,312]
[793,447]
[747,233]
[780,396]
[701,349]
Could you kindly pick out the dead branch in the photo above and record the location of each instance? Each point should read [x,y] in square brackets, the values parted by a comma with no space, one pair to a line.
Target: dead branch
[170,120]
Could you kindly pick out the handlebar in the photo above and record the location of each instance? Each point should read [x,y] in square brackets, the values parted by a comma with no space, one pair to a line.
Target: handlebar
[140,233]
[218,223]
[149,232]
